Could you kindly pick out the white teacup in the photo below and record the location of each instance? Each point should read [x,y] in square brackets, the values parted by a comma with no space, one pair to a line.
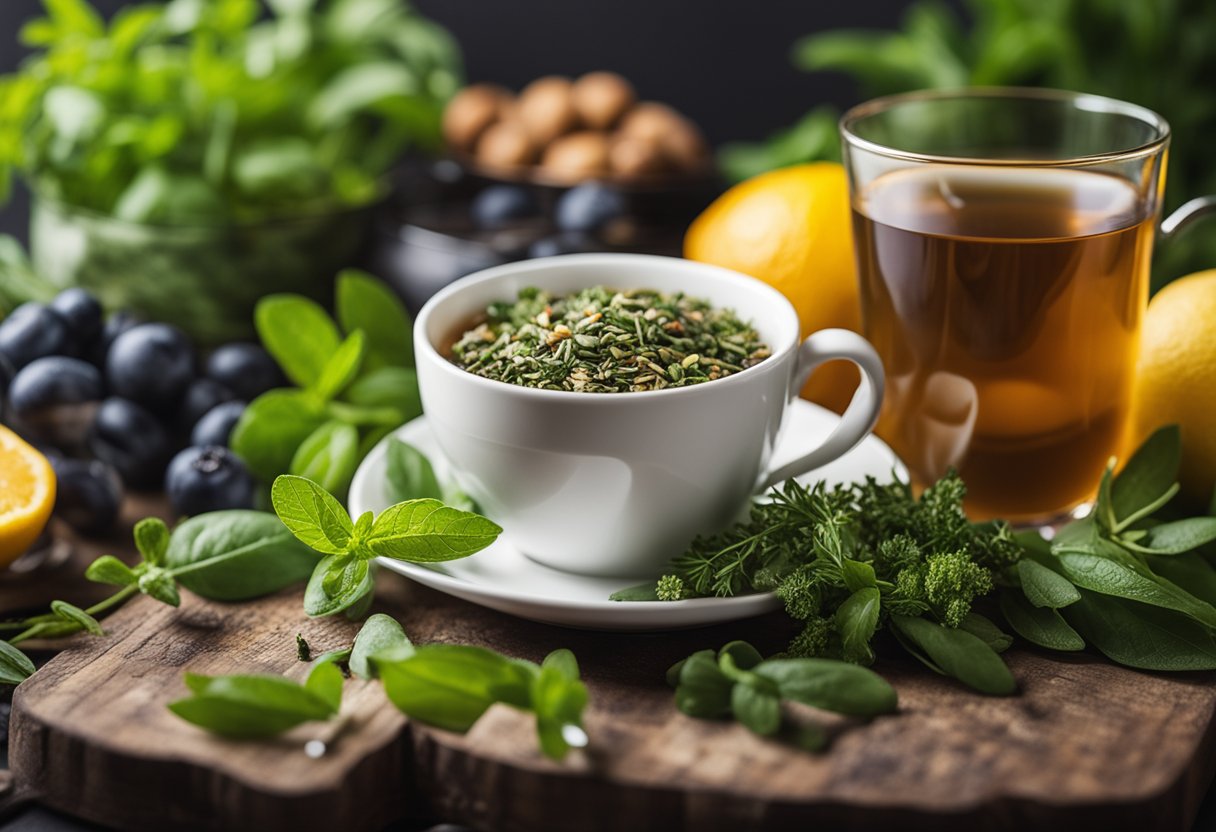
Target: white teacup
[617,484]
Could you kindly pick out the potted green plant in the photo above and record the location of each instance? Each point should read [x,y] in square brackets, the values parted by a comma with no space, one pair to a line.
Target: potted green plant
[186,158]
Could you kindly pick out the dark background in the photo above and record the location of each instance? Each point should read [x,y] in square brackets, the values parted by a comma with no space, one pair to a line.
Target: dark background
[723,62]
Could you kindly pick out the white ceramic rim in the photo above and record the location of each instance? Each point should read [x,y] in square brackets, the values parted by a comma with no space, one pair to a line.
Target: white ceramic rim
[427,350]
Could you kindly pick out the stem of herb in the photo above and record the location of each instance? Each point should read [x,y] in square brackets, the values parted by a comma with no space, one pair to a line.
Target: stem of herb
[34,625]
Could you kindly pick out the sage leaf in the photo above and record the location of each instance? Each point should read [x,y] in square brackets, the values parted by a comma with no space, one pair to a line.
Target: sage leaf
[108,569]
[1192,571]
[341,368]
[328,457]
[856,621]
[1109,577]
[367,304]
[379,633]
[15,666]
[338,583]
[427,531]
[325,682]
[299,334]
[410,475]
[1045,587]
[76,615]
[450,686]
[986,631]
[312,514]
[1180,536]
[152,539]
[271,429]
[704,691]
[391,387]
[759,710]
[640,592]
[1142,636]
[831,685]
[159,584]
[237,554]
[249,707]
[958,654]
[1043,626]
[1150,472]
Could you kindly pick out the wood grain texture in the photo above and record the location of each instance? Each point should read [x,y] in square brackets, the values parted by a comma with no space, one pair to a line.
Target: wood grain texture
[1086,743]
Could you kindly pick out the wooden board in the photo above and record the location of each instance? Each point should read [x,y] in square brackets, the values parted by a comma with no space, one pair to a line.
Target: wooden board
[1086,745]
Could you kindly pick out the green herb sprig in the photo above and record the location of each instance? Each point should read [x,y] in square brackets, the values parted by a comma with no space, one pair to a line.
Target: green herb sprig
[601,340]
[351,391]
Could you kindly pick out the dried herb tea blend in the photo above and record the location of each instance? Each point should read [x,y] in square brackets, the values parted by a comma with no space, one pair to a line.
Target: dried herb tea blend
[601,340]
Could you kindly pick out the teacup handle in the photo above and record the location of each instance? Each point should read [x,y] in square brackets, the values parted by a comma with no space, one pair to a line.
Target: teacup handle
[861,414]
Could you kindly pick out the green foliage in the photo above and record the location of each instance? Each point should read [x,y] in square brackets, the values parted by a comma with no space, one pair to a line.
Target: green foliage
[205,112]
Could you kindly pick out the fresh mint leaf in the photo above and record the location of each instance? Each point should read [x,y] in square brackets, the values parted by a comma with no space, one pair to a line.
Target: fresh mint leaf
[250,707]
[387,387]
[558,699]
[299,334]
[152,539]
[1142,636]
[328,456]
[379,634]
[831,685]
[856,621]
[757,709]
[272,428]
[1045,587]
[427,531]
[410,475]
[15,666]
[77,616]
[325,682]
[338,583]
[1150,472]
[1109,577]
[1180,536]
[312,514]
[341,368]
[236,555]
[959,654]
[158,583]
[1039,625]
[365,303]
[108,569]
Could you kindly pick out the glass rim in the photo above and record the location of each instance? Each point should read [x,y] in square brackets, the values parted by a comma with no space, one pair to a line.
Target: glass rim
[1082,101]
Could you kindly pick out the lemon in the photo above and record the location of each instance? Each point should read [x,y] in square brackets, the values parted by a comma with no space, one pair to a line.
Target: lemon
[792,229]
[27,495]
[1177,375]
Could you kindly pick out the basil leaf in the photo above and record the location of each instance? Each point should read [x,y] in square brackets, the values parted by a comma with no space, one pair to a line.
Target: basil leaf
[704,691]
[394,387]
[410,475]
[341,368]
[312,514]
[1043,626]
[236,555]
[76,615]
[558,699]
[15,666]
[857,575]
[986,631]
[151,539]
[272,428]
[427,531]
[1150,472]
[108,569]
[742,654]
[641,592]
[449,686]
[365,303]
[159,584]
[328,457]
[380,633]
[856,620]
[831,685]
[299,334]
[338,583]
[1180,536]
[959,654]
[1109,577]
[1142,636]
[1192,571]
[249,707]
[673,672]
[759,710]
[1045,587]
[325,682]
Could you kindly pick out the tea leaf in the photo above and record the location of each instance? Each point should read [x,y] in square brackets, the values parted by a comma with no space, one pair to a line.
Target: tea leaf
[410,475]
[299,334]
[427,531]
[380,632]
[1150,472]
[312,514]
[367,304]
[1043,626]
[1142,636]
[1045,587]
[958,654]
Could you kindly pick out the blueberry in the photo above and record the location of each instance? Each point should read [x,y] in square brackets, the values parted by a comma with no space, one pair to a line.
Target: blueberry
[500,205]
[215,428]
[570,242]
[589,207]
[132,440]
[88,495]
[6,374]
[245,369]
[200,480]
[202,395]
[115,325]
[33,331]
[53,399]
[151,364]
[82,313]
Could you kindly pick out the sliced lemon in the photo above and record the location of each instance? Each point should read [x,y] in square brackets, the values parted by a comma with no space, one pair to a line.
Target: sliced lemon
[27,495]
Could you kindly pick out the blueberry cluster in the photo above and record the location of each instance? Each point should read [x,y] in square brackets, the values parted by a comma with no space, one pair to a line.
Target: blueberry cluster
[119,402]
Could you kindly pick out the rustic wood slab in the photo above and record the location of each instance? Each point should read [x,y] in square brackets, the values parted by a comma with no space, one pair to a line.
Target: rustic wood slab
[1086,745]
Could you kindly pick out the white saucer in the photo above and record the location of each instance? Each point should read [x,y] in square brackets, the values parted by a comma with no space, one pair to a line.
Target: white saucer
[504,579]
